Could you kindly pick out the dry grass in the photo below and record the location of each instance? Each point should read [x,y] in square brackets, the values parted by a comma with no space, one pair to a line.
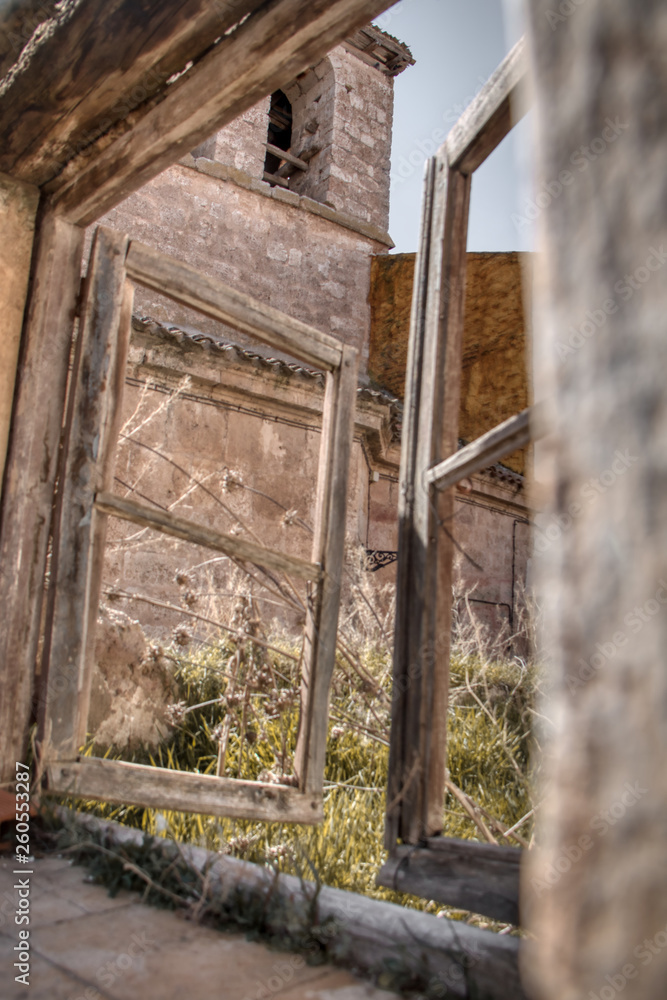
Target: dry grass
[237,653]
[489,745]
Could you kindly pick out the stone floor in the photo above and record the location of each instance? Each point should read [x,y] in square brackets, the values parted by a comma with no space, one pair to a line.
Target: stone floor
[86,946]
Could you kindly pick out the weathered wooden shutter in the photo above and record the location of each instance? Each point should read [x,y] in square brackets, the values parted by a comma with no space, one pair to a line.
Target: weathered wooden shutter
[86,502]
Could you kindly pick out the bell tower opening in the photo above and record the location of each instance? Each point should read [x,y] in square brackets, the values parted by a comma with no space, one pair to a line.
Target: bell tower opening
[279,133]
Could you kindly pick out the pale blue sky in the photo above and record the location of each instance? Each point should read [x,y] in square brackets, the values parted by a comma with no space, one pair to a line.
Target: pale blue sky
[457,45]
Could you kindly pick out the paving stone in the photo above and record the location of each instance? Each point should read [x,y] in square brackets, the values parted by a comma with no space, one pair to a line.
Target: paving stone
[71,883]
[80,940]
[47,982]
[335,984]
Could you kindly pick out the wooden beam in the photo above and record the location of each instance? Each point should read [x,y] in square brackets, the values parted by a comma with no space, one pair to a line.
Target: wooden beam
[434,517]
[284,154]
[30,473]
[403,763]
[275,179]
[328,548]
[182,791]
[516,432]
[187,285]
[198,534]
[91,427]
[423,623]
[18,207]
[491,115]
[482,878]
[56,106]
[275,44]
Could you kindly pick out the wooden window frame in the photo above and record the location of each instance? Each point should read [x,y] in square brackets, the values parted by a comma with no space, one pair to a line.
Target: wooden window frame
[478,877]
[86,501]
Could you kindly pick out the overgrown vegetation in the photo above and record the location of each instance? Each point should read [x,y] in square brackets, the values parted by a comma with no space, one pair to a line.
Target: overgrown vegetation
[237,665]
[488,754]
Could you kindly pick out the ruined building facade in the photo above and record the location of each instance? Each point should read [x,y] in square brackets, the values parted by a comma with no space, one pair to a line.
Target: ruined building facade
[217,424]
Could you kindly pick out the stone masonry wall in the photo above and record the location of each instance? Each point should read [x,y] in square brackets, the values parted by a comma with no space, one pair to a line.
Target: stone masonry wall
[494,384]
[199,418]
[342,120]
[312,96]
[307,266]
[242,143]
[233,443]
[361,150]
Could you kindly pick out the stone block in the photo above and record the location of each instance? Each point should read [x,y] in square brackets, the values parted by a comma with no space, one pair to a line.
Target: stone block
[288,197]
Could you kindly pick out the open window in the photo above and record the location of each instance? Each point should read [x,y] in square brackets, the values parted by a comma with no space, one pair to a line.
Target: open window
[87,502]
[280,162]
[478,877]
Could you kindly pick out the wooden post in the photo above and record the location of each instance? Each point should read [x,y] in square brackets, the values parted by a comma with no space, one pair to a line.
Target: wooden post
[595,891]
[30,474]
[18,205]
[434,512]
[416,786]
[328,550]
[87,467]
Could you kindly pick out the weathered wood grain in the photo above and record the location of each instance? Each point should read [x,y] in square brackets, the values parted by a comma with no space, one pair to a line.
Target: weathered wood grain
[183,791]
[601,570]
[187,285]
[403,756]
[424,623]
[18,207]
[516,432]
[279,40]
[328,547]
[199,534]
[491,115]
[30,473]
[482,878]
[106,464]
[57,105]
[87,465]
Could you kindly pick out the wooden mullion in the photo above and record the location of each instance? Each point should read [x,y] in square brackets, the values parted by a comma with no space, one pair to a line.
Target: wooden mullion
[491,115]
[516,432]
[408,575]
[30,473]
[438,428]
[185,284]
[199,534]
[446,313]
[424,582]
[329,543]
[87,460]
[105,475]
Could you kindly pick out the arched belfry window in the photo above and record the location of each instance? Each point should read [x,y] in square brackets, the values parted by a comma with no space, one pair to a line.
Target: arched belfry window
[280,162]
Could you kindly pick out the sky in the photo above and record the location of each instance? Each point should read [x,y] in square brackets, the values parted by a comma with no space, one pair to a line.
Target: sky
[457,44]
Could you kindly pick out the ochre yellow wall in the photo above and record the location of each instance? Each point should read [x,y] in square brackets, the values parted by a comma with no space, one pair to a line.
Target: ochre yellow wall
[494,382]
